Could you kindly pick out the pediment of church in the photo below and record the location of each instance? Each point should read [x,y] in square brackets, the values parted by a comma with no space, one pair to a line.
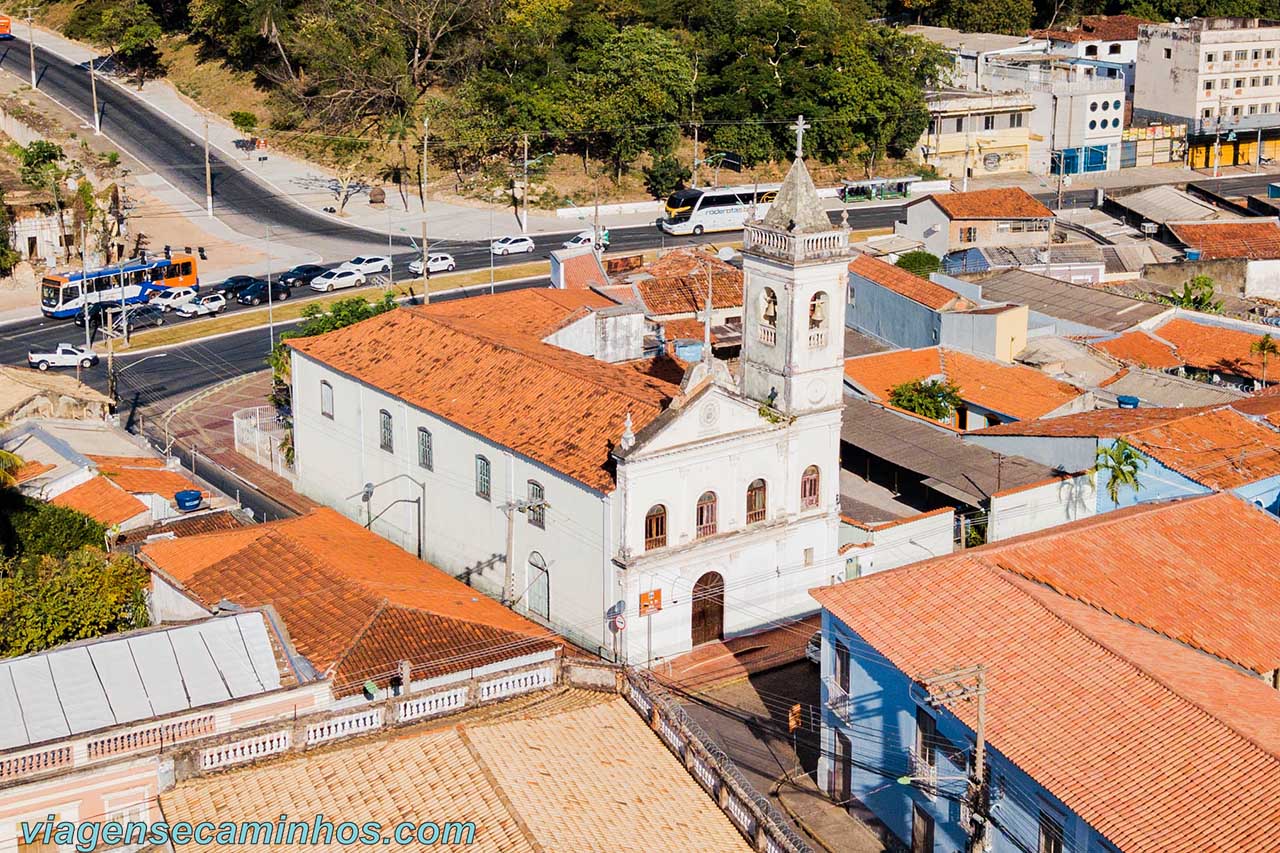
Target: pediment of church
[709,412]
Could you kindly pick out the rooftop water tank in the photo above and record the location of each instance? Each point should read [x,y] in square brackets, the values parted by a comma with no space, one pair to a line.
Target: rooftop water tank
[1193,254]
[188,499]
[1128,401]
[688,350]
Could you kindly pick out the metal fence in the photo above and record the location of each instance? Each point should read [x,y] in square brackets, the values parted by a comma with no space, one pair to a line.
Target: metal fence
[749,810]
[258,436]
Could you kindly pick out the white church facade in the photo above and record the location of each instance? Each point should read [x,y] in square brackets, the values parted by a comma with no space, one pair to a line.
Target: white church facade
[582,485]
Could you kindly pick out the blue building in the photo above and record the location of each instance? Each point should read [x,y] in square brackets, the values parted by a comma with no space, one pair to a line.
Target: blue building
[1097,720]
[897,307]
[1183,452]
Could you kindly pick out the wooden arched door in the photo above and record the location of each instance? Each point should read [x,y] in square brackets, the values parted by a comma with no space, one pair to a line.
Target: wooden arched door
[708,609]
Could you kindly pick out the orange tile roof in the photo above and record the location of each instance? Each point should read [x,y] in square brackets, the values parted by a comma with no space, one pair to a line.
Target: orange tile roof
[1244,239]
[676,283]
[1097,28]
[30,470]
[904,283]
[354,603]
[581,272]
[1216,348]
[561,409]
[535,311]
[1005,203]
[1013,390]
[1140,348]
[1099,423]
[1221,449]
[688,329]
[111,463]
[588,775]
[102,501]
[1143,738]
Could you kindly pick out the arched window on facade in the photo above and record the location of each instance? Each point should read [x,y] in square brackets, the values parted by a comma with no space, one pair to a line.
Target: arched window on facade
[1113,49]
[818,320]
[706,515]
[768,316]
[539,595]
[655,528]
[809,484]
[426,454]
[537,509]
[756,501]
[1091,50]
[385,438]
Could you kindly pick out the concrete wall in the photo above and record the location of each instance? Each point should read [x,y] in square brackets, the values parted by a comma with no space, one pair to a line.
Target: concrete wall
[464,534]
[1264,494]
[1262,279]
[1069,454]
[1042,506]
[881,730]
[1000,336]
[1157,483]
[889,316]
[897,543]
[1228,274]
[927,224]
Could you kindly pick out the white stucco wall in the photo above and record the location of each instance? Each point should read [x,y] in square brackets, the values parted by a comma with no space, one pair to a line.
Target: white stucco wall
[1041,506]
[927,224]
[1262,278]
[898,543]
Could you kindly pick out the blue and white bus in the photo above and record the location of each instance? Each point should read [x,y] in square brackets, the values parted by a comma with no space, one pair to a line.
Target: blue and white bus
[65,294]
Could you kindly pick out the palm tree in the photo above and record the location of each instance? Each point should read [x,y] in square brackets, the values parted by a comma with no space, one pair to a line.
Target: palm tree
[1264,346]
[1123,462]
[9,465]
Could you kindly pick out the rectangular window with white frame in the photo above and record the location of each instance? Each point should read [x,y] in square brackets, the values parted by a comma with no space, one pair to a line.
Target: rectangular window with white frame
[484,482]
[537,505]
[326,400]
[1052,834]
[426,452]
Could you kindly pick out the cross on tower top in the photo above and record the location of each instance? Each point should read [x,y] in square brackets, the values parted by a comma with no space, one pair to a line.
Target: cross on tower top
[800,127]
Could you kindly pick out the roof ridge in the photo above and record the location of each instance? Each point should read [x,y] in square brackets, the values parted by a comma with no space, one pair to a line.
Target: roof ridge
[539,351]
[1003,573]
[378,610]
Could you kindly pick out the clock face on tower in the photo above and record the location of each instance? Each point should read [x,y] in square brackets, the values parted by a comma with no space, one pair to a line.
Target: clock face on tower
[817,390]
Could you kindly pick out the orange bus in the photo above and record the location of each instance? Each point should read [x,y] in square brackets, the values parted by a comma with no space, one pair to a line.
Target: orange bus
[6,27]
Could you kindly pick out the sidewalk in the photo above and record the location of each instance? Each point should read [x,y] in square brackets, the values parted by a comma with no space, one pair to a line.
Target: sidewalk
[1139,176]
[203,423]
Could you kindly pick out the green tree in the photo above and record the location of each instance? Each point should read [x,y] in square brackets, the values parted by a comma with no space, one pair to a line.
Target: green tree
[42,168]
[1265,347]
[992,16]
[9,465]
[1122,462]
[1197,294]
[47,601]
[935,399]
[244,121]
[9,256]
[34,528]
[635,86]
[665,176]
[920,263]
[131,32]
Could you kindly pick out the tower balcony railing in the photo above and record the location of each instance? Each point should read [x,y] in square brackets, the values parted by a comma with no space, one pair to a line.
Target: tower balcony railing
[817,338]
[769,335]
[796,247]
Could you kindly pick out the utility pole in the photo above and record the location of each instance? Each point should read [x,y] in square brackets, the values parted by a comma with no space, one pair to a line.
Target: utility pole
[426,255]
[521,505]
[961,685]
[31,42]
[93,87]
[208,173]
[84,279]
[524,190]
[693,173]
[271,326]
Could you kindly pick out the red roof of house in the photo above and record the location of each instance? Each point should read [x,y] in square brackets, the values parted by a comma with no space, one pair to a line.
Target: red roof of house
[102,501]
[1096,28]
[1181,341]
[1004,203]
[354,603]
[581,271]
[1010,389]
[904,283]
[1155,745]
[559,408]
[1231,239]
[1141,348]
[537,312]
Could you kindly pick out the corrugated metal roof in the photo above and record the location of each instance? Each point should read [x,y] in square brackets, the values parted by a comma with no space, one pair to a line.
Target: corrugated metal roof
[1052,297]
[89,686]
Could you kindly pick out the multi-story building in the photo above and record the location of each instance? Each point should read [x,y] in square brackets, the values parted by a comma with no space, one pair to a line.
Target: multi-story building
[1220,76]
[1108,42]
[976,133]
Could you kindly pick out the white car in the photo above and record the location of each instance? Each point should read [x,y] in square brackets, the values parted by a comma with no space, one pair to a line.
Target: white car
[511,245]
[441,262]
[367,264]
[587,238]
[214,303]
[167,300]
[337,279]
[63,355]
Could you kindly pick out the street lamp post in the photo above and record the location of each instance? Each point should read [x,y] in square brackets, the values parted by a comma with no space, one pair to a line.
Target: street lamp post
[113,374]
[366,497]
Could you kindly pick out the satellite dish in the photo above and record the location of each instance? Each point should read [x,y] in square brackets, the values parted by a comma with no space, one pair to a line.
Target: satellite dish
[727,254]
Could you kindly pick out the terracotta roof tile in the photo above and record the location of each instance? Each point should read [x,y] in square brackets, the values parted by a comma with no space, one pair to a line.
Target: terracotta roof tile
[581,271]
[30,470]
[1096,28]
[676,283]
[1012,390]
[1145,739]
[904,283]
[1215,348]
[187,525]
[112,463]
[1099,423]
[99,499]
[1245,239]
[535,311]
[1007,203]
[354,603]
[588,775]
[146,481]
[556,407]
[1221,449]
[1141,348]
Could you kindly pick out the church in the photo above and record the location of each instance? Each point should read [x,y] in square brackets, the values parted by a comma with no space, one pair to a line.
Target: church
[637,505]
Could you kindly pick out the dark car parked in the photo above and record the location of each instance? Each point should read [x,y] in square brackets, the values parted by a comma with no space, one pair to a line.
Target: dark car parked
[235,285]
[139,316]
[256,294]
[300,276]
[94,312]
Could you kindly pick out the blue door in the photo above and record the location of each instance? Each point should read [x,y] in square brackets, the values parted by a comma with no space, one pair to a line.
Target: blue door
[1095,158]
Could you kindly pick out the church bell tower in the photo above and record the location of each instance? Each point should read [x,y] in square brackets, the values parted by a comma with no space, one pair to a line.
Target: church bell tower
[795,280]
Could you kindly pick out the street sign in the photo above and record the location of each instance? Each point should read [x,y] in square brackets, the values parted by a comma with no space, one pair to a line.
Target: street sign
[618,624]
[650,602]
[794,717]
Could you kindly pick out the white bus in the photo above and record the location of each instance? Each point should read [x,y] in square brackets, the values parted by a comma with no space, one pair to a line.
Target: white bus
[696,210]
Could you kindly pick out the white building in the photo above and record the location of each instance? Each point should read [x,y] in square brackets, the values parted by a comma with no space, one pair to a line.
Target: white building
[1217,75]
[583,484]
[1108,41]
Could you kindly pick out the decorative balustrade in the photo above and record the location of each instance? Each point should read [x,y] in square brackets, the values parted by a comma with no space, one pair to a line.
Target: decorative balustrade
[796,247]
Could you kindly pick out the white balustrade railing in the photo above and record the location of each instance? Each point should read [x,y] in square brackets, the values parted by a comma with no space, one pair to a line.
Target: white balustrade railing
[433,704]
[340,727]
[520,682]
[241,751]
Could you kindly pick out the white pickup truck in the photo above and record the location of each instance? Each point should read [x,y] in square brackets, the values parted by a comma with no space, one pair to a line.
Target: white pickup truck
[63,355]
